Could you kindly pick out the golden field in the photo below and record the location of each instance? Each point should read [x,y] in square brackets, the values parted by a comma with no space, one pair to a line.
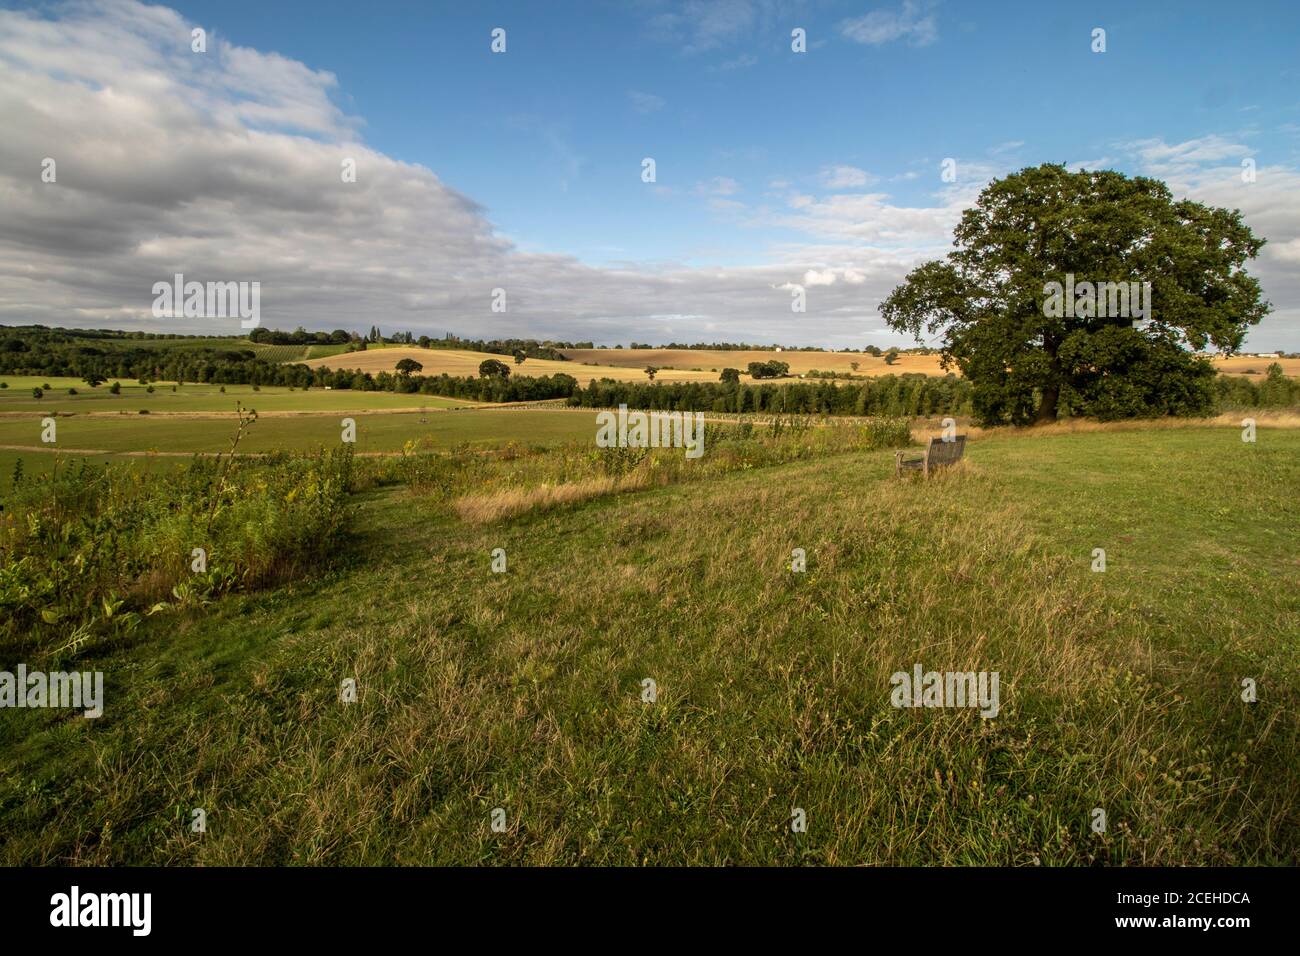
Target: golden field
[799,362]
[686,365]
[1254,368]
[464,362]
[625,365]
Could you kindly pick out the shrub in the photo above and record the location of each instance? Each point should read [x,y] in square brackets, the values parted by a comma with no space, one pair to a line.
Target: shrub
[87,551]
[889,433]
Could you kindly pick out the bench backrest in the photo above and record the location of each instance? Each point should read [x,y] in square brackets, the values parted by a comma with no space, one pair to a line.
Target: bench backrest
[940,452]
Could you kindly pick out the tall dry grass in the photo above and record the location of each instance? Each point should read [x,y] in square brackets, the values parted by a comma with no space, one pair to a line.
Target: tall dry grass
[498,505]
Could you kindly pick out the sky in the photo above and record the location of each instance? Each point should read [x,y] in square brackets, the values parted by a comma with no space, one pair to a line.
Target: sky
[524,170]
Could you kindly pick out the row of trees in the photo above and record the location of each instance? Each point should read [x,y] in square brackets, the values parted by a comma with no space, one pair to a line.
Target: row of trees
[889,395]
[528,348]
[301,336]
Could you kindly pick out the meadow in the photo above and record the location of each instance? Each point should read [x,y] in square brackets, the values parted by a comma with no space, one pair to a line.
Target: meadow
[523,690]
[155,442]
[132,397]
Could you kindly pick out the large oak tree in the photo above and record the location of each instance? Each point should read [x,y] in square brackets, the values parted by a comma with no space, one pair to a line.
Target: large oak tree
[987,300]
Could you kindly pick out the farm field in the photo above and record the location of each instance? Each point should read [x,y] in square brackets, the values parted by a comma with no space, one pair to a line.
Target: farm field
[522,690]
[799,362]
[842,362]
[458,362]
[1255,368]
[195,398]
[386,433]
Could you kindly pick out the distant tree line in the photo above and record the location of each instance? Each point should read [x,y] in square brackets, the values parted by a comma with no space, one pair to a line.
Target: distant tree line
[910,394]
[301,336]
[529,348]
[491,388]
[38,355]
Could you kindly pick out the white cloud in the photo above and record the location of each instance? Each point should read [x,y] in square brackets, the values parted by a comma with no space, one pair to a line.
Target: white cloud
[702,25]
[910,22]
[845,177]
[1164,159]
[830,276]
[718,186]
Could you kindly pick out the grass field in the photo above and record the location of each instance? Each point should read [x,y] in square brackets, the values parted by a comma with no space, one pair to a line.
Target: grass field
[386,433]
[1120,690]
[194,398]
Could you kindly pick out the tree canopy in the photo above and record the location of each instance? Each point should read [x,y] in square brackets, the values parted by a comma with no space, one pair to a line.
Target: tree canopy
[1085,292]
[491,368]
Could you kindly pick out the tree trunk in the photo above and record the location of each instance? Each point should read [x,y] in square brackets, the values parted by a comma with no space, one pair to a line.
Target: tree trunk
[1051,396]
[1047,407]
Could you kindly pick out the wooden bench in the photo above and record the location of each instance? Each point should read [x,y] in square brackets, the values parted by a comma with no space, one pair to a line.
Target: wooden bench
[938,453]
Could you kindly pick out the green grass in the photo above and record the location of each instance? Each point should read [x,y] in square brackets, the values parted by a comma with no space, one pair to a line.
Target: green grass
[1119,690]
[439,431]
[199,398]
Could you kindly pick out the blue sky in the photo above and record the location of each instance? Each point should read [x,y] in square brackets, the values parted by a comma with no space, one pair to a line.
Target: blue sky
[773,168]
